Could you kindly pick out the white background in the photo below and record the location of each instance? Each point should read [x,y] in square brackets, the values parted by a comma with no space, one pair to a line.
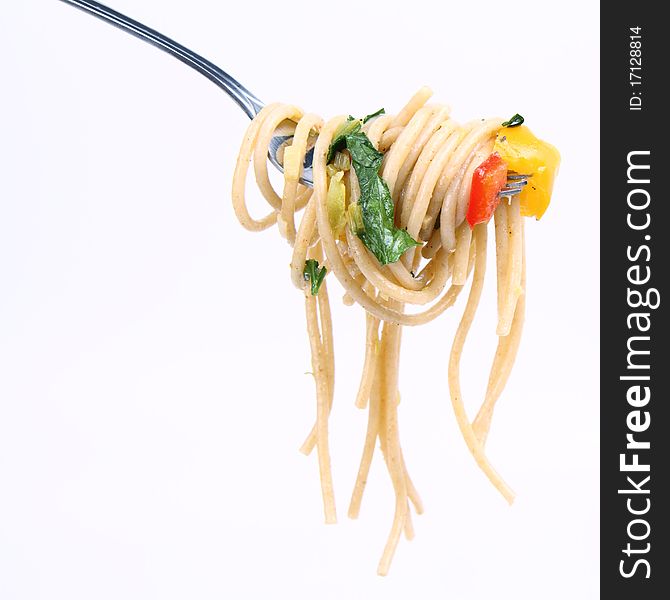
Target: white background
[152,352]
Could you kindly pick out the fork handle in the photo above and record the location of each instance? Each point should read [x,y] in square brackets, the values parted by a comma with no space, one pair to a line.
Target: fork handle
[247,101]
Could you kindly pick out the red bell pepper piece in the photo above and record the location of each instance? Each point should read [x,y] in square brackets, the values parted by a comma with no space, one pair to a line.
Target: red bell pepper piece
[487,181]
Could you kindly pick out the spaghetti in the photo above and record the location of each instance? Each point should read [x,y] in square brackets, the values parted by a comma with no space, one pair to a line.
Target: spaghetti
[429,166]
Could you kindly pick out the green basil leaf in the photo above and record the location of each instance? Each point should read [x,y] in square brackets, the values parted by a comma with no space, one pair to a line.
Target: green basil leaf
[515,121]
[379,234]
[381,111]
[314,275]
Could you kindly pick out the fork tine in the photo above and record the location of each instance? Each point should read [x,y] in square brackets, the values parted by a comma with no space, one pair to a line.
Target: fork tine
[508,193]
[515,183]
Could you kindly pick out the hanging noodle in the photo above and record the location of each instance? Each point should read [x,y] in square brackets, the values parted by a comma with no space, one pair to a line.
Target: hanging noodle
[428,164]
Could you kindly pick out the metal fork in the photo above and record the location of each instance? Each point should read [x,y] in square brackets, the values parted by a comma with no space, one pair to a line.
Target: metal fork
[245,99]
[515,183]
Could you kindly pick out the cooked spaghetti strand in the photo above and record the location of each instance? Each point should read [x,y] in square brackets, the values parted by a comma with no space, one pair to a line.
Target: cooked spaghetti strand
[423,187]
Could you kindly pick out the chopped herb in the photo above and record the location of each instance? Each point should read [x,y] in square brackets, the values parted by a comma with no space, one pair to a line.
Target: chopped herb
[515,121]
[380,235]
[313,274]
[381,111]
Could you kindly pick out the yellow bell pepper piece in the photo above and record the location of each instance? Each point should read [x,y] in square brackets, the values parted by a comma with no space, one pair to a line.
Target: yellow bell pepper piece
[526,154]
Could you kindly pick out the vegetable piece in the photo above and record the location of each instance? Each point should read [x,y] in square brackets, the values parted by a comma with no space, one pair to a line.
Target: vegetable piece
[526,154]
[515,121]
[313,274]
[331,171]
[381,111]
[380,235]
[351,125]
[487,180]
[342,162]
[355,218]
[335,203]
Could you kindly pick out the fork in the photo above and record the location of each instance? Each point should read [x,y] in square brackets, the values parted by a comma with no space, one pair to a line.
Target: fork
[515,183]
[245,99]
